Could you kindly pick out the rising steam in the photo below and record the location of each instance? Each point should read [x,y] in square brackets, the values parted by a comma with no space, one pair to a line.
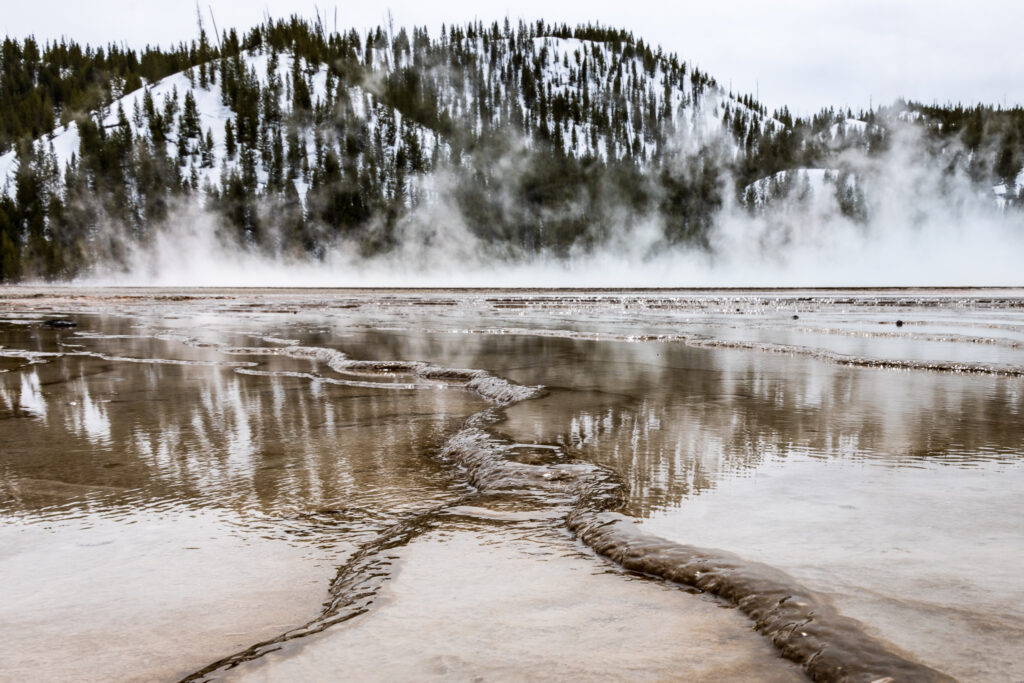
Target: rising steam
[926,225]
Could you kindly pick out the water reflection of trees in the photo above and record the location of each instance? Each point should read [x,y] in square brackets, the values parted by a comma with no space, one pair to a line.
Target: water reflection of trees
[91,433]
[675,420]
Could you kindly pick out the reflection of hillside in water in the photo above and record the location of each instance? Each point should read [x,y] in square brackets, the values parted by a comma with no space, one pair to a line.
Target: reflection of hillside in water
[674,420]
[105,436]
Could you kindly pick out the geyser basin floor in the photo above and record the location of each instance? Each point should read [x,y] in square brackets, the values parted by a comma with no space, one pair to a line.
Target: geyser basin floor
[146,596]
[490,604]
[877,464]
[926,555]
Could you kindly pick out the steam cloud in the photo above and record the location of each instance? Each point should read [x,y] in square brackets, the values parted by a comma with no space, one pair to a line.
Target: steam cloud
[928,225]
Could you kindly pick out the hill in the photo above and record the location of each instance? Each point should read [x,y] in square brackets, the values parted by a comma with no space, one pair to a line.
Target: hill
[537,139]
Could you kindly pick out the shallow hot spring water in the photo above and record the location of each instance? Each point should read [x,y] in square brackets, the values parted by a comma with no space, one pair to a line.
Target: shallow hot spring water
[307,485]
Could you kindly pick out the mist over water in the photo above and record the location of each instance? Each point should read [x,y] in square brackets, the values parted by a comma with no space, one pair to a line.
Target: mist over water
[926,224]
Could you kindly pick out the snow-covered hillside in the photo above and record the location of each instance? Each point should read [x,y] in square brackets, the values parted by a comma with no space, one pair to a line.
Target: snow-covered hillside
[169,96]
[1005,193]
[803,185]
[573,75]
[848,127]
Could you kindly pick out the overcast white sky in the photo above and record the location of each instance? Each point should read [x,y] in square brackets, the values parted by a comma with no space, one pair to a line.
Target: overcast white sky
[802,53]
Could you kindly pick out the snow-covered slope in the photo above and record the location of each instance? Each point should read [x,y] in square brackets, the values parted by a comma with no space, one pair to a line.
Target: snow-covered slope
[168,94]
[803,185]
[848,127]
[630,97]
[1005,193]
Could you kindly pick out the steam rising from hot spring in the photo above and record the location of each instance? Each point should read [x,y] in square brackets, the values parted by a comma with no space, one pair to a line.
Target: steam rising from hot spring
[927,226]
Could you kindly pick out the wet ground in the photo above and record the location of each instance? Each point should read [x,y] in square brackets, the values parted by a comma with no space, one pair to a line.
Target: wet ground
[279,484]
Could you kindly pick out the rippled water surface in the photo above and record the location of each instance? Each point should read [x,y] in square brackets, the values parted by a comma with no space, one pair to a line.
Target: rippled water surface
[278,485]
